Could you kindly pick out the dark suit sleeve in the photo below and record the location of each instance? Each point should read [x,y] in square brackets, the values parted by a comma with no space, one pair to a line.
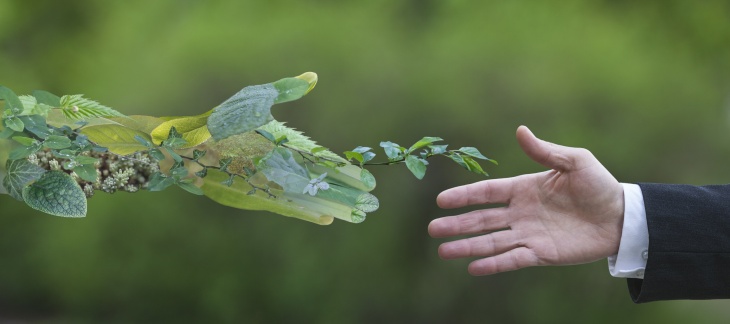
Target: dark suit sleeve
[689,243]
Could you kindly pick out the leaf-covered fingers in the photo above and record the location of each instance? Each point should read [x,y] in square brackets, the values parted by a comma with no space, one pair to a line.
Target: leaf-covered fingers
[473,222]
[485,245]
[483,192]
[515,259]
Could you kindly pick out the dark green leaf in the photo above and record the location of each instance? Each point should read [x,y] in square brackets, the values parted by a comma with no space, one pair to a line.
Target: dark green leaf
[86,172]
[202,173]
[23,152]
[416,165]
[157,154]
[12,102]
[56,193]
[228,182]
[456,157]
[19,174]
[173,133]
[47,98]
[159,182]
[57,142]
[173,154]
[15,124]
[84,160]
[190,187]
[36,124]
[424,142]
[198,154]
[179,172]
[143,141]
[473,152]
[267,135]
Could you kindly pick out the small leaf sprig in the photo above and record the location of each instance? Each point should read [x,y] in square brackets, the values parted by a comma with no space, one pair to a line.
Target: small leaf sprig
[416,161]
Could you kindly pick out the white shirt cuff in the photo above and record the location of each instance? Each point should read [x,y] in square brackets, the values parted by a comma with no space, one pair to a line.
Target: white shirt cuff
[633,250]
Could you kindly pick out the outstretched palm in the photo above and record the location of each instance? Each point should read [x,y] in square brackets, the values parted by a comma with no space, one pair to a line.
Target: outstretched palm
[571,214]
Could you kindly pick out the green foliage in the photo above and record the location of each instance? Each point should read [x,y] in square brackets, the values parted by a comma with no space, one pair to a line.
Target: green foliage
[251,155]
[78,108]
[56,193]
[20,173]
[250,108]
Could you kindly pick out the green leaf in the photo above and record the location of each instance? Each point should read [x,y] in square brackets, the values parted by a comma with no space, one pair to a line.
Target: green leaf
[416,165]
[267,135]
[193,130]
[159,182]
[173,154]
[299,141]
[86,172]
[197,154]
[23,152]
[280,167]
[157,154]
[202,173]
[392,150]
[6,132]
[56,193]
[354,155]
[19,174]
[15,124]
[191,188]
[81,159]
[57,142]
[423,142]
[77,107]
[456,157]
[473,166]
[25,141]
[174,142]
[47,98]
[36,124]
[32,107]
[12,102]
[318,149]
[250,108]
[118,139]
[290,89]
[438,149]
[367,178]
[471,151]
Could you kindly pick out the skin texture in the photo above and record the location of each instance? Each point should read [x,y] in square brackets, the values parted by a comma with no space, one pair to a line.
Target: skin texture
[571,214]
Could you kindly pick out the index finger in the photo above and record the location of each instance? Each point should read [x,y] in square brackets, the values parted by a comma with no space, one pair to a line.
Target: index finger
[484,192]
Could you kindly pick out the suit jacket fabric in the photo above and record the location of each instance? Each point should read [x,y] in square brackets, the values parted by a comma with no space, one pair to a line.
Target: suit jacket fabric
[689,243]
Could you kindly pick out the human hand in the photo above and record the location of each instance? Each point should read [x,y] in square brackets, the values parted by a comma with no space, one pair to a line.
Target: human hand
[571,214]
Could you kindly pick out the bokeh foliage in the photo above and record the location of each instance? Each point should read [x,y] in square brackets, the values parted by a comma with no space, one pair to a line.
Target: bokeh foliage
[643,84]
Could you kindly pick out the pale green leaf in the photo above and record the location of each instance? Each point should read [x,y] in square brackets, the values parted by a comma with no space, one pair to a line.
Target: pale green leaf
[193,130]
[12,102]
[56,193]
[426,141]
[19,174]
[367,179]
[417,167]
[47,98]
[86,172]
[15,124]
[472,151]
[118,139]
[299,141]
[57,142]
[290,89]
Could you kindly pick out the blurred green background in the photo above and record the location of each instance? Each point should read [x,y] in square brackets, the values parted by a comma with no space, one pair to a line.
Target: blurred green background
[645,85]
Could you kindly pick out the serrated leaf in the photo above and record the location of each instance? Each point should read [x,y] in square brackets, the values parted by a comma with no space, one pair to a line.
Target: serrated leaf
[57,142]
[299,141]
[77,107]
[117,138]
[86,172]
[423,143]
[56,193]
[193,129]
[416,166]
[19,174]
[472,151]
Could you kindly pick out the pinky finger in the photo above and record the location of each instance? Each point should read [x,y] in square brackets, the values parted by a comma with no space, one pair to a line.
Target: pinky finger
[515,259]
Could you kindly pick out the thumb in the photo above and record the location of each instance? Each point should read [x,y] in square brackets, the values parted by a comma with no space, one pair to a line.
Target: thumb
[554,156]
